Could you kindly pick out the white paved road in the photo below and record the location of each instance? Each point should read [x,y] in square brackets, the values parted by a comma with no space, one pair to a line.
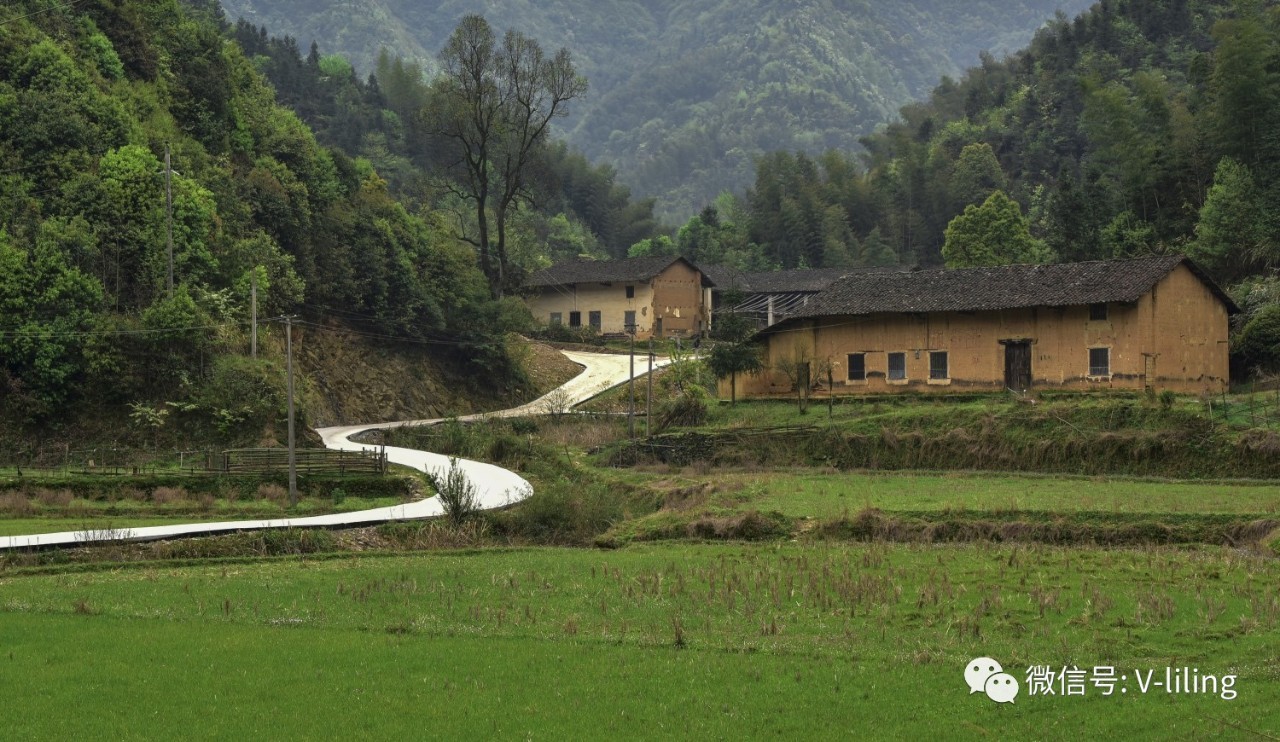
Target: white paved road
[495,486]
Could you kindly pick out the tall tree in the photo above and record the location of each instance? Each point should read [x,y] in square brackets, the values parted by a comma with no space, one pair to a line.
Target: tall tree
[492,109]
[995,233]
[1232,237]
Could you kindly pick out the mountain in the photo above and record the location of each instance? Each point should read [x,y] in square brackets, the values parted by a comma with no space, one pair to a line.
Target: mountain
[686,93]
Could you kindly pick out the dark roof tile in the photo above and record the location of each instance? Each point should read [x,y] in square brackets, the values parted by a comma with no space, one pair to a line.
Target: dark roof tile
[1003,287]
[604,271]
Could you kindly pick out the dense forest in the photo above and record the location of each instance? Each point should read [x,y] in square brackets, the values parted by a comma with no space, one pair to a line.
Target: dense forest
[1140,127]
[686,93]
[133,131]
[580,207]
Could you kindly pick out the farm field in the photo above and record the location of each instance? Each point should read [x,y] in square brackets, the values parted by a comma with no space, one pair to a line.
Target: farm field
[688,640]
[807,492]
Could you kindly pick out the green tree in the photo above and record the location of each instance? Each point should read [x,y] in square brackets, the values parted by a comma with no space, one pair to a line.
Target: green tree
[1257,347]
[660,245]
[492,109]
[876,251]
[733,352]
[47,306]
[976,175]
[995,233]
[1232,235]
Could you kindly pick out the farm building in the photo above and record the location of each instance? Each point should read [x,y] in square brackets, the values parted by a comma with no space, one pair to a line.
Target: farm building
[662,296]
[768,297]
[1151,322]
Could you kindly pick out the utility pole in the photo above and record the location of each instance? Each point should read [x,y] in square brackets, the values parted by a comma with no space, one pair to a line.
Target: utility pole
[631,382]
[253,310]
[168,207]
[293,462]
[648,405]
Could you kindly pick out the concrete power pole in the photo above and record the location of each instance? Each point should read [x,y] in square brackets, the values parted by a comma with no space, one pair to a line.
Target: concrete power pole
[253,310]
[293,462]
[648,405]
[631,382]
[168,207]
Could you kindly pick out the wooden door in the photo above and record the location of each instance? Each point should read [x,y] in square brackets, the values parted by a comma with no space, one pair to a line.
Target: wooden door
[1017,365]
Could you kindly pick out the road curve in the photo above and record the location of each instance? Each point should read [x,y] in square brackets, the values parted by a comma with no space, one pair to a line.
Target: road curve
[495,487]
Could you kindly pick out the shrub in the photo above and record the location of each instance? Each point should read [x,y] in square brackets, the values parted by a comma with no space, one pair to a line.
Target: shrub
[457,493]
[54,498]
[15,503]
[273,493]
[686,410]
[168,495]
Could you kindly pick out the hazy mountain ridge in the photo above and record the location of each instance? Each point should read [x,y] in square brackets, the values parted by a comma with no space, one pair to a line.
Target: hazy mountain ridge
[685,93]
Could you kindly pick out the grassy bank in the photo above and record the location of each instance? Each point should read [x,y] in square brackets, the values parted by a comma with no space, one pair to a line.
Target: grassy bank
[1069,434]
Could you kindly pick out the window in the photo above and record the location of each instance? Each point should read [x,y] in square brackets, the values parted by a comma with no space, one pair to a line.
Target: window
[594,319]
[897,366]
[575,319]
[1099,361]
[556,318]
[1097,312]
[629,321]
[631,292]
[938,364]
[857,367]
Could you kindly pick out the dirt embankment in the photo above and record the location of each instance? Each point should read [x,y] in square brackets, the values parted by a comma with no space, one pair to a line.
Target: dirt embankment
[348,379]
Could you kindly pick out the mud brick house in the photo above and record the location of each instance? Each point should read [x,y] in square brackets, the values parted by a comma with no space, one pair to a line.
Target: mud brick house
[1152,322]
[661,296]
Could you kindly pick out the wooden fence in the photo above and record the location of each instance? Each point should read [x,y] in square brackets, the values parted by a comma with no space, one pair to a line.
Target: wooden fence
[307,461]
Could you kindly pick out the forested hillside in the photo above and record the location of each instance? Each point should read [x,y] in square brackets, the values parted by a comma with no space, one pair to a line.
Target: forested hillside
[686,93]
[1143,126]
[95,99]
[381,118]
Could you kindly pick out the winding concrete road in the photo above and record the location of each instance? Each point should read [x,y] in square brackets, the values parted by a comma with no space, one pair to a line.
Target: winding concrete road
[496,487]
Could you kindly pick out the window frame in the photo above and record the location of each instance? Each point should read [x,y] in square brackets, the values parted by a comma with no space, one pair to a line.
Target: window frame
[631,291]
[629,321]
[557,318]
[1093,369]
[1099,312]
[903,379]
[595,319]
[575,318]
[946,367]
[861,378]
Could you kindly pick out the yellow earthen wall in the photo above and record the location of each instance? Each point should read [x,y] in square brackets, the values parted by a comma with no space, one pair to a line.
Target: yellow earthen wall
[1190,331]
[678,300]
[1180,325]
[609,299]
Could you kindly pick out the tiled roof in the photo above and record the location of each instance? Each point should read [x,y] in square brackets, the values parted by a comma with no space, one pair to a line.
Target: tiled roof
[724,276]
[605,271]
[796,280]
[1003,287]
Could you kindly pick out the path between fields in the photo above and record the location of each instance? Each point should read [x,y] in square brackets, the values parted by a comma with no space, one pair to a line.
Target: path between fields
[496,487]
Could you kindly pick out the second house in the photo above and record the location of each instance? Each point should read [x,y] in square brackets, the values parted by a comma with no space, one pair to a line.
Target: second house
[661,296]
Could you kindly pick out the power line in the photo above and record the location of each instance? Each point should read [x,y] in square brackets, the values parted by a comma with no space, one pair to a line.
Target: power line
[64,6]
[384,336]
[92,333]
